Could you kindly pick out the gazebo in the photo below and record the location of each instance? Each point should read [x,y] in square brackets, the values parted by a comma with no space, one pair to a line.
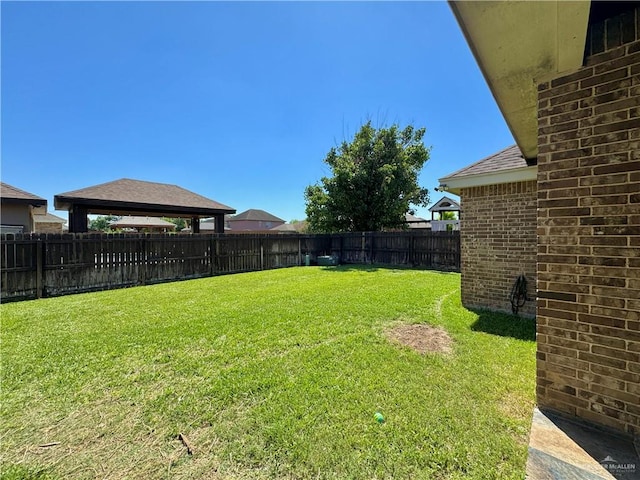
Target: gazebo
[137,197]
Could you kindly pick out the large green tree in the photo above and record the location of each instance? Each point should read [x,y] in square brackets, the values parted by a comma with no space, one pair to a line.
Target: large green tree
[374,182]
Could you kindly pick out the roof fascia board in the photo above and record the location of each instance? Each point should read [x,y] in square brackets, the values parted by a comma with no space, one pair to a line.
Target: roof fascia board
[110,206]
[455,184]
[25,201]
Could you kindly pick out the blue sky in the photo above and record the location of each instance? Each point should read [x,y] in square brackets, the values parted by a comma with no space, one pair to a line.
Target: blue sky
[237,101]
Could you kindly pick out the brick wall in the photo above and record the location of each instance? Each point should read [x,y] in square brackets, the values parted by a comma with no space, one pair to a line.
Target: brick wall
[589,239]
[498,243]
[48,227]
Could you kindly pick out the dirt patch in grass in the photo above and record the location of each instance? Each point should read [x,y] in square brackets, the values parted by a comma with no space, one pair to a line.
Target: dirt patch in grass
[421,338]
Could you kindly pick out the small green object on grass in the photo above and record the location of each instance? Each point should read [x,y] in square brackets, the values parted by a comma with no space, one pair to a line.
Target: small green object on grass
[379,417]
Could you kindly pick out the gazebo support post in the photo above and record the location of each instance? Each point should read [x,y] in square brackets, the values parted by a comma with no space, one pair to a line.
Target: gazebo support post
[195,224]
[219,223]
[78,221]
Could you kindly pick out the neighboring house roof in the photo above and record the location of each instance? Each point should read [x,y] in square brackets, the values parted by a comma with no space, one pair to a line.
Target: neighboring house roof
[209,224]
[505,166]
[291,227]
[129,221]
[414,219]
[137,196]
[204,226]
[417,222]
[9,193]
[285,227]
[48,218]
[256,215]
[445,204]
[213,220]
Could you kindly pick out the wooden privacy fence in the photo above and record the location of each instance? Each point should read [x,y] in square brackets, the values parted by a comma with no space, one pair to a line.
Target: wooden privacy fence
[40,265]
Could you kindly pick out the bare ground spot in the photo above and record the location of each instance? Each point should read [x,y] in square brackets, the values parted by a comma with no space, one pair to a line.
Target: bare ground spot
[421,338]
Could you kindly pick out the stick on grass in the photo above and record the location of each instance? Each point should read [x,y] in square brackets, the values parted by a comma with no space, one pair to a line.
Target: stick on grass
[186,443]
[47,445]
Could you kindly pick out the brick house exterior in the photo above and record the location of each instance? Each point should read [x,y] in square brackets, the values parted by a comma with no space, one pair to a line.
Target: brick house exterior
[499,245]
[498,230]
[587,158]
[589,233]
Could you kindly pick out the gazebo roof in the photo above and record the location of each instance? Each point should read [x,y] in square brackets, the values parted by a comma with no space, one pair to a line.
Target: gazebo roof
[137,197]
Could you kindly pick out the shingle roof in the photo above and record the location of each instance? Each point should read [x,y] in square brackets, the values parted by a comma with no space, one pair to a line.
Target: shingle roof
[413,218]
[11,193]
[416,222]
[138,193]
[291,227]
[507,159]
[48,218]
[255,214]
[285,227]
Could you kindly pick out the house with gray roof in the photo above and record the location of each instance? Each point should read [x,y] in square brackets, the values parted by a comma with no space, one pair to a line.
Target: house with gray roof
[295,227]
[253,220]
[17,209]
[416,222]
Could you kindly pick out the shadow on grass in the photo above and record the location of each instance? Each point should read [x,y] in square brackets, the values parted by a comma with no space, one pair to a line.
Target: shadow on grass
[375,267]
[505,325]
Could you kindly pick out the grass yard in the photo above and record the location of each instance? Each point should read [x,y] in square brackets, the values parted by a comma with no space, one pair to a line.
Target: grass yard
[268,375]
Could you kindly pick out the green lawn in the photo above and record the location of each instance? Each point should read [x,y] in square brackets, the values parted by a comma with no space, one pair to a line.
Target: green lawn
[273,374]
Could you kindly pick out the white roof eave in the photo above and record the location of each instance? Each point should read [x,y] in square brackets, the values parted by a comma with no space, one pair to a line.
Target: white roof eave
[518,44]
[456,184]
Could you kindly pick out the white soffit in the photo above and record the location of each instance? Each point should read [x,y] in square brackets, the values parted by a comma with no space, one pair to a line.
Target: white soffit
[455,184]
[518,44]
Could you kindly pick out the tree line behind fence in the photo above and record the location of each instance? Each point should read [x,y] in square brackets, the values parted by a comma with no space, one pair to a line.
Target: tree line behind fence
[43,265]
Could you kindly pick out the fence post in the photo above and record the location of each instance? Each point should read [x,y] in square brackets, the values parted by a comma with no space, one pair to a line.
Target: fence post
[412,249]
[142,261]
[218,263]
[261,253]
[212,251]
[373,237]
[39,268]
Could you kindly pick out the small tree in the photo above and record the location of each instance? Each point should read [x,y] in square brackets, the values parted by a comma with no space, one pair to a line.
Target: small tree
[178,222]
[374,183]
[448,216]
